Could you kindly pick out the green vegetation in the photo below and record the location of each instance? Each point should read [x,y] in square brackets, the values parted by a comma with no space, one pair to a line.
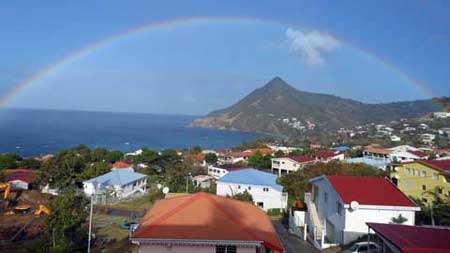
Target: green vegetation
[438,211]
[64,231]
[399,220]
[245,196]
[8,161]
[297,183]
[211,158]
[260,161]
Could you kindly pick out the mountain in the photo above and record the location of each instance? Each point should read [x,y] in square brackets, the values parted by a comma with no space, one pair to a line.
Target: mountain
[269,108]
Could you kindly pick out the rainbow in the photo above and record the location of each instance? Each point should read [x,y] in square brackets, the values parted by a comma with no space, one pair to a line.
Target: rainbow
[90,48]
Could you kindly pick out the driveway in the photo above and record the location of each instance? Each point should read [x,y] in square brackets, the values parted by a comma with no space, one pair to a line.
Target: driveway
[291,243]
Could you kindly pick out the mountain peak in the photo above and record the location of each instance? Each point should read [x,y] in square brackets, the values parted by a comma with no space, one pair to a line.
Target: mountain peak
[276,84]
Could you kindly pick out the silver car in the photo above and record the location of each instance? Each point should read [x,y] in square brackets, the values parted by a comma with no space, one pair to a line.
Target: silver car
[363,247]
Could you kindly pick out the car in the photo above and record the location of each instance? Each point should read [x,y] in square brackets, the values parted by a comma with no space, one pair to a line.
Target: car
[363,247]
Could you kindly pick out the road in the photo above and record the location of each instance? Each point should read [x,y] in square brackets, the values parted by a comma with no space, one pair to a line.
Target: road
[291,243]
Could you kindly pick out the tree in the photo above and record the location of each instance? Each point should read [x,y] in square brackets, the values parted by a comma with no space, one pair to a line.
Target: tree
[93,170]
[64,231]
[211,158]
[260,161]
[8,161]
[196,150]
[245,196]
[114,156]
[399,219]
[30,163]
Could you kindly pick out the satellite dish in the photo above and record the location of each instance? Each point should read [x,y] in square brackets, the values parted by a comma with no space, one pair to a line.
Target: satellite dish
[159,186]
[165,190]
[354,205]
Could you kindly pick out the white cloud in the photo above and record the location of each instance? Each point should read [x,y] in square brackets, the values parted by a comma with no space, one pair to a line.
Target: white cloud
[310,46]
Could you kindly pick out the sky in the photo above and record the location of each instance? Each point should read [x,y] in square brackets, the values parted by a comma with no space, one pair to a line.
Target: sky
[210,54]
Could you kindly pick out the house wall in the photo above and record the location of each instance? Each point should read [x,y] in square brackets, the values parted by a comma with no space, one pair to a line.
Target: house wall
[19,184]
[271,199]
[126,190]
[217,172]
[144,248]
[412,177]
[355,221]
[327,209]
[286,165]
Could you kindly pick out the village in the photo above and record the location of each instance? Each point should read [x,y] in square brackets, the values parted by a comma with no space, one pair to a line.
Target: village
[260,197]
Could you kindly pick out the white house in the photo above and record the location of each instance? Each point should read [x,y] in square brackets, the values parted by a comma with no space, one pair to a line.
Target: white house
[288,164]
[218,171]
[202,181]
[329,155]
[441,115]
[395,138]
[339,207]
[266,193]
[117,184]
[408,156]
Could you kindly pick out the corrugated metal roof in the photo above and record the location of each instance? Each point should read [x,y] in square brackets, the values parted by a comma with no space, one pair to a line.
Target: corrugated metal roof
[117,177]
[253,177]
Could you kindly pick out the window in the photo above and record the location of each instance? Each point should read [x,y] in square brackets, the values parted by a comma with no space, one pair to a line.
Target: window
[362,248]
[226,249]
[239,187]
[416,173]
[424,200]
[424,187]
[408,170]
[249,188]
[435,176]
[440,190]
[338,208]
[408,185]
[325,197]
[265,189]
[424,173]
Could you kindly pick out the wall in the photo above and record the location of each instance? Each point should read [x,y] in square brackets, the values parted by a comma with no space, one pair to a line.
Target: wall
[271,199]
[411,184]
[285,164]
[216,172]
[186,249]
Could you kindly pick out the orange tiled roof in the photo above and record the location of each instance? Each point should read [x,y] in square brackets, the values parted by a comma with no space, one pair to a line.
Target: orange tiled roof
[263,151]
[204,216]
[121,165]
[200,157]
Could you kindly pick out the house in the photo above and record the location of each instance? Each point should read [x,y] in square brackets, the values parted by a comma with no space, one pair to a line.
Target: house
[411,239]
[266,193]
[376,151]
[135,153]
[427,138]
[120,165]
[339,207]
[198,159]
[380,164]
[202,181]
[288,164]
[20,178]
[204,222]
[408,156]
[218,171]
[441,115]
[234,157]
[117,184]
[284,149]
[328,155]
[395,138]
[418,177]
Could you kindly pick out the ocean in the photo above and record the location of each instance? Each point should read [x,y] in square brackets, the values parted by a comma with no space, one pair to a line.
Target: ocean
[30,132]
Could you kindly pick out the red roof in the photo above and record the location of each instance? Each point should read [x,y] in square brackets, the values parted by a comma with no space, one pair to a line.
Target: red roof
[121,165]
[22,174]
[324,154]
[369,191]
[301,158]
[414,239]
[418,153]
[440,164]
[263,151]
[204,216]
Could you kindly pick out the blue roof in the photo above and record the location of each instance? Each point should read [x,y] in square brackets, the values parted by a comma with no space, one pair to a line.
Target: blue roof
[253,177]
[341,148]
[369,161]
[117,177]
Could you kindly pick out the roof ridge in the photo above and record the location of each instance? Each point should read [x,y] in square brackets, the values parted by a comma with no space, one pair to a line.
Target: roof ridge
[189,201]
[239,224]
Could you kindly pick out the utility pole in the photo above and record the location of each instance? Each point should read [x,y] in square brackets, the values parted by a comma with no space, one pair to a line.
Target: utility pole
[187,181]
[431,214]
[90,217]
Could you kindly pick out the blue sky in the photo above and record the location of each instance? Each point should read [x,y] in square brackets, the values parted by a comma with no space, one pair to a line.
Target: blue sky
[371,52]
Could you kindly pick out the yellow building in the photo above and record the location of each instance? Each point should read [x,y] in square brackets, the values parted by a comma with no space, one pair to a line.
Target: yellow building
[419,177]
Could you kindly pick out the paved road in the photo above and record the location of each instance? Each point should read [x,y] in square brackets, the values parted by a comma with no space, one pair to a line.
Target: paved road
[291,243]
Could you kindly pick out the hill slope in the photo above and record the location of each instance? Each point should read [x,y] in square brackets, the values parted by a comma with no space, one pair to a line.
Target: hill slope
[264,109]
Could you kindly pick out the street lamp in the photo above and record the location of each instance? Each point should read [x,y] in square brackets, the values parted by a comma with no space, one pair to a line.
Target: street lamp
[187,181]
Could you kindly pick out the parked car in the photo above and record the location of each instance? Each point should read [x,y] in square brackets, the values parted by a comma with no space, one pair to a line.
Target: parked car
[363,247]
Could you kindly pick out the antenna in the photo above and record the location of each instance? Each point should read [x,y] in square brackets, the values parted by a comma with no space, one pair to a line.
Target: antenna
[354,205]
[165,190]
